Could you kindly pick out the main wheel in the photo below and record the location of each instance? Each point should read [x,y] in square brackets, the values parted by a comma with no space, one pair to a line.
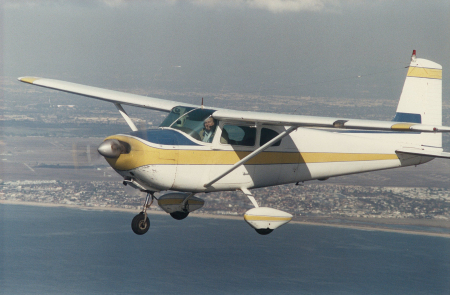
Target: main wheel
[264,231]
[140,224]
[179,215]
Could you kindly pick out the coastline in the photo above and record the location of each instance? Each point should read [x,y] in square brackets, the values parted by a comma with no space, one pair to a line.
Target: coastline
[369,224]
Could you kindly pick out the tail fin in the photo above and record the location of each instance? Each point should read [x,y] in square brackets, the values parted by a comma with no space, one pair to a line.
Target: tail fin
[421,98]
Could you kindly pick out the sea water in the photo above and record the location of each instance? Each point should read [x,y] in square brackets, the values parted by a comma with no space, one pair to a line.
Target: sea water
[71,251]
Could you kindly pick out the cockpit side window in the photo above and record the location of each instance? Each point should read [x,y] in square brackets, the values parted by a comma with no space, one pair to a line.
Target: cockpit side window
[188,120]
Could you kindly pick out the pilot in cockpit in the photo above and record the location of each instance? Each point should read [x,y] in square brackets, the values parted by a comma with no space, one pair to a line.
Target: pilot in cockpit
[209,129]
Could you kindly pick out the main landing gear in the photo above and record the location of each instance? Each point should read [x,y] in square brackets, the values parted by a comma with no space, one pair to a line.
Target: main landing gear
[140,223]
[179,205]
[179,215]
[263,219]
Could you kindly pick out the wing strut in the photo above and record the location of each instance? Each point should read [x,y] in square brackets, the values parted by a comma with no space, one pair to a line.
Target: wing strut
[125,116]
[253,154]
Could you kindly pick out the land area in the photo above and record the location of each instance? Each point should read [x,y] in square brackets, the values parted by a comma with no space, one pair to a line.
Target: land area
[48,156]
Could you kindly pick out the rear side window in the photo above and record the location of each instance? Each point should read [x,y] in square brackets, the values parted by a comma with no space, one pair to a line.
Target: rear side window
[268,134]
[239,135]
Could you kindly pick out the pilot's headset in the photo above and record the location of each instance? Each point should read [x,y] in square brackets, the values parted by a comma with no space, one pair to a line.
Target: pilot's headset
[214,120]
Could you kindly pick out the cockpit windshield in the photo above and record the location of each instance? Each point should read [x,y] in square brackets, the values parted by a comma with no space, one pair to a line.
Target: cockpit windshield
[188,120]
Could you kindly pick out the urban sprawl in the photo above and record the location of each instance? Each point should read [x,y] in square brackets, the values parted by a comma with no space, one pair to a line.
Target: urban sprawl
[308,200]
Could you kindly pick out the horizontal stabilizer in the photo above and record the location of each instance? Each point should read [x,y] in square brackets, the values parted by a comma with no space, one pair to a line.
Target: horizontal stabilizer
[420,152]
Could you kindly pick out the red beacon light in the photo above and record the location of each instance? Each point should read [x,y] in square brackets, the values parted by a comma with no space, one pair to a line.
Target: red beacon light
[413,56]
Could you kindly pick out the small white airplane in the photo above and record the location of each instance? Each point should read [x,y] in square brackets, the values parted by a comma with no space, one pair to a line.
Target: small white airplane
[204,149]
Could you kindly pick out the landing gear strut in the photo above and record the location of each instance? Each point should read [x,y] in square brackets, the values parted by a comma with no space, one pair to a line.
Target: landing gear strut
[140,223]
[182,214]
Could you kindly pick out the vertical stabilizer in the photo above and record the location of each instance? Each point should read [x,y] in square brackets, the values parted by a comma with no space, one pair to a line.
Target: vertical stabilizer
[421,98]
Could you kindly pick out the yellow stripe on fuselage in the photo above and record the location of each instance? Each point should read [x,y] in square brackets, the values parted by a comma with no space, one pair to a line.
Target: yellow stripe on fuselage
[142,155]
[265,218]
[424,73]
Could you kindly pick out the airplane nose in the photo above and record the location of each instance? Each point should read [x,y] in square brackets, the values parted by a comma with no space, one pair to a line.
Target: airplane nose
[111,148]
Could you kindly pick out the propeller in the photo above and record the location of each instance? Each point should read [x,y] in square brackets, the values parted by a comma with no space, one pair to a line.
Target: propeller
[84,155]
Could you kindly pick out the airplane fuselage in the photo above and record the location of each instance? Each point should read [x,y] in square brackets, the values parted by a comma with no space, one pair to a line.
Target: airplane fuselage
[167,159]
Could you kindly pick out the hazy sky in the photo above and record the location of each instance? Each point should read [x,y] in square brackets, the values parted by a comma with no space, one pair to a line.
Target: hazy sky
[292,47]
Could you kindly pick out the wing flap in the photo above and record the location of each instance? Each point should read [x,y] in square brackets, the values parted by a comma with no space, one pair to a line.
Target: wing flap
[105,94]
[313,121]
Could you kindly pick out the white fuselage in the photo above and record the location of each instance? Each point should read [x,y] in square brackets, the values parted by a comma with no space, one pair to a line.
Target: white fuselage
[305,154]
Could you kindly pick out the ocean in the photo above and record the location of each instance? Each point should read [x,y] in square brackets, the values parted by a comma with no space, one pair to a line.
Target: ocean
[59,250]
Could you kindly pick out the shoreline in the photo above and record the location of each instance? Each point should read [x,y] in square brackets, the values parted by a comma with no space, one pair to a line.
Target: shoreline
[371,224]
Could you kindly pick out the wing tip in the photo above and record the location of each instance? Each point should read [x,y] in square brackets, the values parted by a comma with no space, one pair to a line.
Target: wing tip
[29,80]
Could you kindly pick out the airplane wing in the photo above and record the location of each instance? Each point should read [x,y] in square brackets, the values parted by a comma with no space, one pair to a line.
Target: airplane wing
[327,122]
[118,98]
[115,97]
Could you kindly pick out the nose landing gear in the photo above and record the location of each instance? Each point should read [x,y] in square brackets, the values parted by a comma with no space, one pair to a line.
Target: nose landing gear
[140,223]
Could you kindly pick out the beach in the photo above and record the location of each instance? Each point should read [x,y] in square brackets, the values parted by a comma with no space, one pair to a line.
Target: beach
[366,224]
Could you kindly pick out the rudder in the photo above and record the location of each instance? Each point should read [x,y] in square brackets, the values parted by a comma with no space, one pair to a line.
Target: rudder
[421,98]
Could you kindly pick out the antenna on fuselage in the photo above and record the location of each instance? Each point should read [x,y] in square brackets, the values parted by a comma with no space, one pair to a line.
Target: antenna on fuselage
[202,103]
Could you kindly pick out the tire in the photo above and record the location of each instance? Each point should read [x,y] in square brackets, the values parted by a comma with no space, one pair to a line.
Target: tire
[139,225]
[264,231]
[178,215]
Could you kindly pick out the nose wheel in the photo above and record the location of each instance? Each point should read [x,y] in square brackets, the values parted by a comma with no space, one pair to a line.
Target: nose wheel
[140,223]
